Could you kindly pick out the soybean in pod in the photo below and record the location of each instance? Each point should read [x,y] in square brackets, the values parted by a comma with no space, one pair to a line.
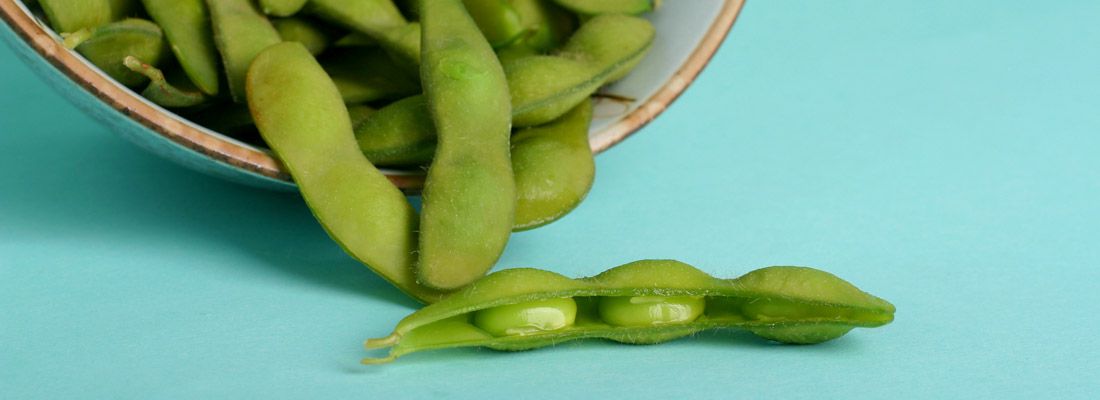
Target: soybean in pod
[644,302]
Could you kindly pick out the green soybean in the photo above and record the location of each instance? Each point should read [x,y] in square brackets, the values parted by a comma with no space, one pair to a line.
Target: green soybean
[643,302]
[186,25]
[603,50]
[469,194]
[597,7]
[315,37]
[160,91]
[554,168]
[301,116]
[365,74]
[240,32]
[282,8]
[398,135]
[497,20]
[73,15]
[108,45]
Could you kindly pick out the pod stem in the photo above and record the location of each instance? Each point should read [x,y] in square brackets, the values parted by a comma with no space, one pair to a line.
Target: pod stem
[376,361]
[381,343]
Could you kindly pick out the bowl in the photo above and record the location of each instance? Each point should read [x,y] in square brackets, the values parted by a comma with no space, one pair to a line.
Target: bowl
[688,35]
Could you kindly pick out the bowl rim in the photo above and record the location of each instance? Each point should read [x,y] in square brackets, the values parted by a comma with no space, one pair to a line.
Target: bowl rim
[226,150]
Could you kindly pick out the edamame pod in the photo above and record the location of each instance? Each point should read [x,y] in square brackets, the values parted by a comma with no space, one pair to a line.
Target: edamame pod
[186,25]
[553,168]
[379,19]
[107,46]
[643,302]
[398,135]
[469,194]
[301,116]
[282,8]
[316,38]
[240,32]
[497,20]
[73,15]
[159,90]
[597,7]
[547,26]
[366,74]
[603,49]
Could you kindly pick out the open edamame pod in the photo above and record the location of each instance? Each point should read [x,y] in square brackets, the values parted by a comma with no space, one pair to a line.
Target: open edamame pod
[469,193]
[186,25]
[160,91]
[643,302]
[604,49]
[597,7]
[553,167]
[108,45]
[301,116]
[240,32]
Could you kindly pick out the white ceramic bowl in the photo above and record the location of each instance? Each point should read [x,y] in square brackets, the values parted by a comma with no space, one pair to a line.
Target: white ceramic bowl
[688,35]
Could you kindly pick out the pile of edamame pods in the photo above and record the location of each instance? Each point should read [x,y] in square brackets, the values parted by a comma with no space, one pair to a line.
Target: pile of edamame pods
[493,98]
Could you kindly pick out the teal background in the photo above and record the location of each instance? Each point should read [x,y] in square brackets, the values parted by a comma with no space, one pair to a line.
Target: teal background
[940,154]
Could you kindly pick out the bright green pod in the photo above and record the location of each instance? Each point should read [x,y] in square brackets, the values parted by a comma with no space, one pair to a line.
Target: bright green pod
[186,25]
[378,19]
[107,46]
[315,37]
[643,302]
[160,91]
[301,116]
[469,193]
[603,50]
[398,135]
[497,20]
[359,114]
[67,16]
[554,168]
[364,74]
[240,33]
[598,7]
[282,8]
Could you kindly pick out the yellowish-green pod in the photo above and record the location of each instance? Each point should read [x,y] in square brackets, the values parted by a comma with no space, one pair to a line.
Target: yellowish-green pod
[294,29]
[73,15]
[186,25]
[240,32]
[365,74]
[604,49]
[497,20]
[281,8]
[301,116]
[554,168]
[469,193]
[108,45]
[378,19]
[597,7]
[159,90]
[398,135]
[643,302]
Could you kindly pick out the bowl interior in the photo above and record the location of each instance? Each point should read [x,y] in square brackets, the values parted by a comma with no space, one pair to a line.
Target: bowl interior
[689,32]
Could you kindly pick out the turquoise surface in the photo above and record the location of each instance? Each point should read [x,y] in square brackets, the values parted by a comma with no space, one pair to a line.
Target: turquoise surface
[940,154]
